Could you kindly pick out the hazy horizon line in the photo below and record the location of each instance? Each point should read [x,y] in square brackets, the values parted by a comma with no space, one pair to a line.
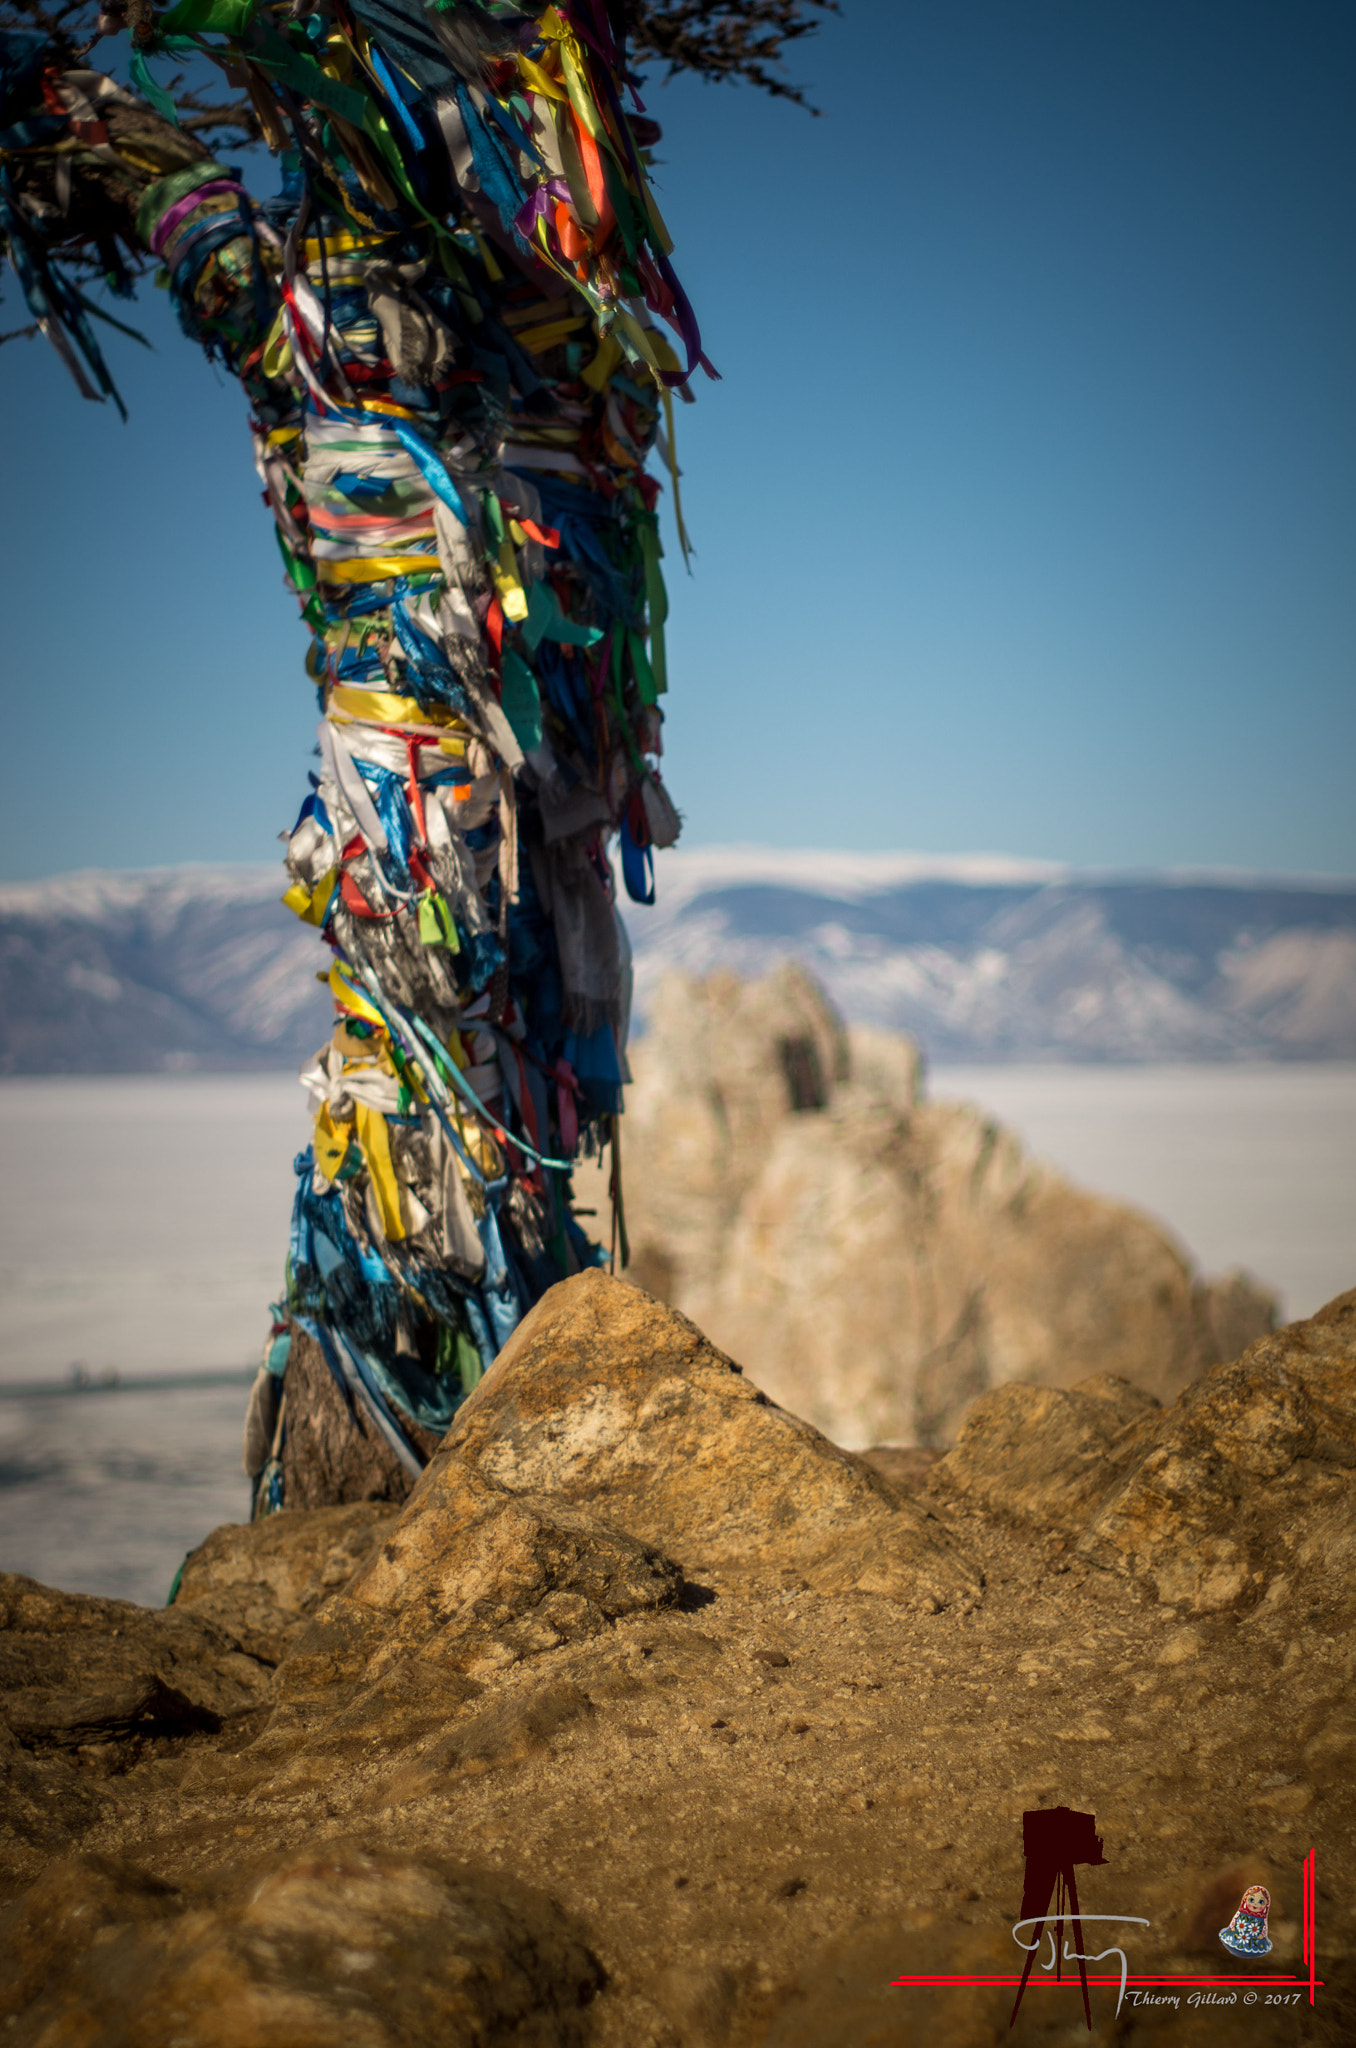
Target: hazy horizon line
[762,863]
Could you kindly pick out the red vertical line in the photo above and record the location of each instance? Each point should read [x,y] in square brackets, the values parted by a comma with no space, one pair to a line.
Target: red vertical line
[1313,1919]
[1304,1909]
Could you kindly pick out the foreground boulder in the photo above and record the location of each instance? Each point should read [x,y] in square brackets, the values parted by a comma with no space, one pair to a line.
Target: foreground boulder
[653,1720]
[264,1591]
[607,1426]
[340,1943]
[606,1398]
[75,1671]
[874,1259]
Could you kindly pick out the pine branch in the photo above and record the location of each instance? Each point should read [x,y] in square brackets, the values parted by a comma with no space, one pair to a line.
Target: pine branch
[726,40]
[720,40]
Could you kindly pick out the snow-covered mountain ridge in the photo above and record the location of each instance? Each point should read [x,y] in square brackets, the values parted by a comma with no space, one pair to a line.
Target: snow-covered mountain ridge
[984,957]
[981,957]
[156,970]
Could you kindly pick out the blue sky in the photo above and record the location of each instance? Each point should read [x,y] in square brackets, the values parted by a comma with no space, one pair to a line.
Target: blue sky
[1024,512]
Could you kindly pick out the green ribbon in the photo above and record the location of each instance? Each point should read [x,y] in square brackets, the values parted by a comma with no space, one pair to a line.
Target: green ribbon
[521,700]
[437,927]
[166,192]
[207,17]
[630,738]
[494,518]
[277,57]
[546,621]
[646,687]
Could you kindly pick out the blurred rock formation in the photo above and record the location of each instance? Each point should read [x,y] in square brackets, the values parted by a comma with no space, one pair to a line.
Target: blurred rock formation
[878,1260]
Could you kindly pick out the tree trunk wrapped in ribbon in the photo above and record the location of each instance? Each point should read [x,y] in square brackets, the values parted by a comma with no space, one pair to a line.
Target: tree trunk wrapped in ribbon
[458,330]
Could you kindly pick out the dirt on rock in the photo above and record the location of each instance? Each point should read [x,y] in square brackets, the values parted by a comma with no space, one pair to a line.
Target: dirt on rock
[654,1720]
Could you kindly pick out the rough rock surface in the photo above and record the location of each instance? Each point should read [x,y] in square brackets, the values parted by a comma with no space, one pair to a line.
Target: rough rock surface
[673,1444]
[1242,1494]
[876,1260]
[266,1590]
[583,1752]
[75,1670]
[337,1942]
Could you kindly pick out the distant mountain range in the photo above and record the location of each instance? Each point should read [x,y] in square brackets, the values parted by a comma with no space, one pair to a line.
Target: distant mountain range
[201,968]
[984,958]
[163,970]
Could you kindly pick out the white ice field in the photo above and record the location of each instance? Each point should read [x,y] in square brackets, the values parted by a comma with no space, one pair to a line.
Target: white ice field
[143,1226]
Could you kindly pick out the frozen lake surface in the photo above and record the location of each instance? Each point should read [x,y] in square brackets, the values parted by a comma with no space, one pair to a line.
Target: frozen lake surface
[107,1492]
[143,1221]
[143,1227]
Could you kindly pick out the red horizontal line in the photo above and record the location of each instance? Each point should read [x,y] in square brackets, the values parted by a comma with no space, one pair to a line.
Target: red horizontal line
[1064,1983]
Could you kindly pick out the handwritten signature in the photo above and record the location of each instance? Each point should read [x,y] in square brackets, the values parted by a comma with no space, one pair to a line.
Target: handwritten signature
[1051,1921]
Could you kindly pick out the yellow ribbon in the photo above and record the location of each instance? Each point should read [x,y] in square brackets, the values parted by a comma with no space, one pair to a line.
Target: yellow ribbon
[384,707]
[540,80]
[504,574]
[538,339]
[311,905]
[376,1144]
[375,568]
[349,999]
[675,473]
[277,357]
[386,405]
[331,1142]
[340,243]
[598,374]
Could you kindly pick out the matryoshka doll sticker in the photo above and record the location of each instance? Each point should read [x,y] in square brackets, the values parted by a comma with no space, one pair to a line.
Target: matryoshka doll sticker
[1246,1934]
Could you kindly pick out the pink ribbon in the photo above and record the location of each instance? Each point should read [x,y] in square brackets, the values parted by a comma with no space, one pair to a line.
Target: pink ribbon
[170,219]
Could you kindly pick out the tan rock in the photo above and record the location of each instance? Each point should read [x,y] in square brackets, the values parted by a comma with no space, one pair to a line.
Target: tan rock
[308,1948]
[1048,1453]
[261,1580]
[474,1573]
[876,1260]
[1249,1477]
[75,1670]
[1241,1494]
[84,1681]
[607,1417]
[714,1078]
[470,1580]
[755,1803]
[43,1804]
[1333,1748]
[606,1398]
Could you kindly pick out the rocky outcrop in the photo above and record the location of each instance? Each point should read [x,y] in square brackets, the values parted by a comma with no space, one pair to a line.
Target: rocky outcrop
[74,1670]
[340,1943]
[877,1260]
[655,1720]
[1242,1494]
[264,1591]
[671,1443]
